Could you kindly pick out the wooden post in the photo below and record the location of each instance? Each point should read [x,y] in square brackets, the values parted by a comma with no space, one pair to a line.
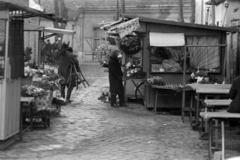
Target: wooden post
[184,79]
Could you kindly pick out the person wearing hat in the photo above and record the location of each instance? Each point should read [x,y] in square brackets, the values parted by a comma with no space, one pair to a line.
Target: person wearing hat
[115,79]
[68,64]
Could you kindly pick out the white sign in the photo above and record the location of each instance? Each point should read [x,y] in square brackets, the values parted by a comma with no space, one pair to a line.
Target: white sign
[166,39]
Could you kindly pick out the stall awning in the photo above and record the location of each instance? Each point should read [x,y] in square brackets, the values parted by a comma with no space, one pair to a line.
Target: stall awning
[32,27]
[166,39]
[18,11]
[59,31]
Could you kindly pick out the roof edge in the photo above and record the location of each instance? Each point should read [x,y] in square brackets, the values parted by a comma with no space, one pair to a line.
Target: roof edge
[151,20]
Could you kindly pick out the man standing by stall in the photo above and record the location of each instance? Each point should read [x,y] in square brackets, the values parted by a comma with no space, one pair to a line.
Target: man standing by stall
[68,71]
[115,79]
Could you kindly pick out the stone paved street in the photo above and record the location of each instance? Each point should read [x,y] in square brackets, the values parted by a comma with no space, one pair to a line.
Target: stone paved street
[89,129]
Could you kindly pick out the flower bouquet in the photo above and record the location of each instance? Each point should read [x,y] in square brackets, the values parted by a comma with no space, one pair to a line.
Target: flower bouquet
[200,77]
[32,91]
[134,68]
[29,72]
[130,45]
[156,80]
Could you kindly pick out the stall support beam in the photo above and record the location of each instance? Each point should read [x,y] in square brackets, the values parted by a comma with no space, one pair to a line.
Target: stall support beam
[184,79]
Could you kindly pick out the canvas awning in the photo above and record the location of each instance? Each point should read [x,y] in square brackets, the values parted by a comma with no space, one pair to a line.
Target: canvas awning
[166,39]
[34,27]
[59,31]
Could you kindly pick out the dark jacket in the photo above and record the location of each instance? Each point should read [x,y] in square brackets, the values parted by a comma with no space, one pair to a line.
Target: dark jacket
[115,75]
[234,94]
[66,59]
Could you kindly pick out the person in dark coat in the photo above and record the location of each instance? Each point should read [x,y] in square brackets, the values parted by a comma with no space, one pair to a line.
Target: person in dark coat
[234,94]
[68,64]
[115,79]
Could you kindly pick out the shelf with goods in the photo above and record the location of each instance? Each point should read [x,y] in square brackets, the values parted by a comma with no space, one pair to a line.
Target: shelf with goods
[44,86]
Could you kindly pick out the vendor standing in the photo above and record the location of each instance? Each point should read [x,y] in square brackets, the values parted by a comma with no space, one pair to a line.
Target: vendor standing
[68,71]
[115,79]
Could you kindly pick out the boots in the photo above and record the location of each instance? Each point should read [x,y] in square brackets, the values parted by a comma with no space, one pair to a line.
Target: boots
[63,91]
[69,92]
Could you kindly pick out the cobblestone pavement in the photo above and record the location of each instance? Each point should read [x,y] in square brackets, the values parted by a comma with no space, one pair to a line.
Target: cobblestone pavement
[89,129]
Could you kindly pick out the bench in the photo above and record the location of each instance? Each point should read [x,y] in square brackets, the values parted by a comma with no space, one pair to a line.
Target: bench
[216,103]
[222,116]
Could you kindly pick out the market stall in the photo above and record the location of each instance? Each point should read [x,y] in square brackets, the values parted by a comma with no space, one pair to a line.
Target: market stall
[174,51]
[34,42]
[12,62]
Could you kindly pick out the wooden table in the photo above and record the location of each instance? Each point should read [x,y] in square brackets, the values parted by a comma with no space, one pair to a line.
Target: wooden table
[208,90]
[26,102]
[223,115]
[166,88]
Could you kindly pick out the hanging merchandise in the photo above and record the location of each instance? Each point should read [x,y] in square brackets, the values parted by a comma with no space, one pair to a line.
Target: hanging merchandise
[129,45]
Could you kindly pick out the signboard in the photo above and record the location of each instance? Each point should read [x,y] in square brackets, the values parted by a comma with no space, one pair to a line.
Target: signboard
[2,47]
[166,39]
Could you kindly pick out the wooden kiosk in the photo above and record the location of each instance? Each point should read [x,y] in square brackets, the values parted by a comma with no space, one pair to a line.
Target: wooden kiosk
[174,50]
[12,17]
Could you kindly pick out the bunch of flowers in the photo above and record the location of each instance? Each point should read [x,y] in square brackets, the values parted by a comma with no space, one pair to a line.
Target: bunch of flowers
[33,91]
[200,77]
[45,84]
[103,49]
[51,75]
[134,68]
[156,80]
[129,45]
[29,72]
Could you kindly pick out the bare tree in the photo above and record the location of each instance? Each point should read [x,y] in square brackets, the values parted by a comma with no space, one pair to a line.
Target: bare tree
[123,6]
[193,3]
[180,17]
[61,11]
[117,10]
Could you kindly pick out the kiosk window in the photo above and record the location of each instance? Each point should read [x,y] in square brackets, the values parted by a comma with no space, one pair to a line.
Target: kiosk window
[199,56]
